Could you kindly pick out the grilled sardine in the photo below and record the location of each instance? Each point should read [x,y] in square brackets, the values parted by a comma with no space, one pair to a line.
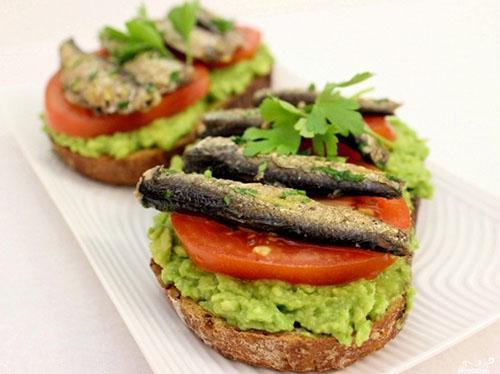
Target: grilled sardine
[229,122]
[206,42]
[154,70]
[93,82]
[315,175]
[261,207]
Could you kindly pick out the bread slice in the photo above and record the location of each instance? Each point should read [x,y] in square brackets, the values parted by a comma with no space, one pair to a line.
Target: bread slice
[126,171]
[289,351]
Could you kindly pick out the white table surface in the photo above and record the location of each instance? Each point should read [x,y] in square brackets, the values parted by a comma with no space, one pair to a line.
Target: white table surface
[441,57]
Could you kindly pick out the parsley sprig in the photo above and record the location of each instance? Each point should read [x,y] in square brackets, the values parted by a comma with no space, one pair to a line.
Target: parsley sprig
[183,18]
[141,35]
[330,116]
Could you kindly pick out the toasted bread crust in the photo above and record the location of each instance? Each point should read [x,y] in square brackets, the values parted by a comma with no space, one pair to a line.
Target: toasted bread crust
[289,351]
[127,171]
[123,172]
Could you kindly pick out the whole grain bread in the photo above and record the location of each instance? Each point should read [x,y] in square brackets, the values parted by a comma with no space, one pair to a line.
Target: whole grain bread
[126,171]
[290,351]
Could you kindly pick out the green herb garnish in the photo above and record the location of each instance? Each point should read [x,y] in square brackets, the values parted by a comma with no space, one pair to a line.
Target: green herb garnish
[245,191]
[331,115]
[150,87]
[183,18]
[291,192]
[123,105]
[141,36]
[340,175]
[223,25]
[261,170]
[227,200]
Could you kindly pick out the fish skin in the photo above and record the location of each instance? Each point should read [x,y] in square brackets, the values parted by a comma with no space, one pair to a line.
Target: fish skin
[297,96]
[294,216]
[225,159]
[229,122]
[205,44]
[93,82]
[152,68]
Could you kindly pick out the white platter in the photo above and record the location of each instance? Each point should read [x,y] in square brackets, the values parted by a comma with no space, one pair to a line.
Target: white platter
[456,269]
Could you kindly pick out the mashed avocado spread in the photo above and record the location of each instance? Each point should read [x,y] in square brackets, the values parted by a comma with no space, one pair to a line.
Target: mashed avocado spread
[165,132]
[345,311]
[407,158]
[234,80]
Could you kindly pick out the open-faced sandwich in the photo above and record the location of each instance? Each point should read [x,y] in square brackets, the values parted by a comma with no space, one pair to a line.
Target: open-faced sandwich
[116,112]
[287,232]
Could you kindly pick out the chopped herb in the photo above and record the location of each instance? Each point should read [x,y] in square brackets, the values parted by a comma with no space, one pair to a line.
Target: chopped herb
[166,171]
[183,18]
[261,170]
[208,173]
[340,175]
[223,25]
[150,87]
[238,140]
[74,83]
[392,177]
[311,87]
[175,76]
[123,105]
[167,194]
[77,62]
[176,163]
[330,115]
[245,191]
[227,200]
[291,192]
[93,75]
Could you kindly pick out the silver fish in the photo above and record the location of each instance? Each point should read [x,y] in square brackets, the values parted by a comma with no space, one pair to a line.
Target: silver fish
[283,211]
[93,82]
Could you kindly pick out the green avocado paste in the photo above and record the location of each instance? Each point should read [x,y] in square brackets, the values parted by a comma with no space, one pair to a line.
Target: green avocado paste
[234,80]
[406,160]
[164,133]
[344,311]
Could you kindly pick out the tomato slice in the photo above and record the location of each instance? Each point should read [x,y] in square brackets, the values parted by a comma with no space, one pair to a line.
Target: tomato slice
[72,120]
[395,212]
[379,124]
[251,42]
[251,255]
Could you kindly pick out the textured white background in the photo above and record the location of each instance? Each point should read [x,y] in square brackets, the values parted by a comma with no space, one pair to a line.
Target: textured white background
[440,57]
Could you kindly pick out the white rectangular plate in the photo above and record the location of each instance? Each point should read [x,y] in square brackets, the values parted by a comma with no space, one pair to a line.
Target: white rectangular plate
[455,269]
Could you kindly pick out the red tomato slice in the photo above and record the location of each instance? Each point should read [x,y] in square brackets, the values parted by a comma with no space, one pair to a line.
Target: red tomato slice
[217,248]
[72,120]
[251,43]
[379,124]
[395,212]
